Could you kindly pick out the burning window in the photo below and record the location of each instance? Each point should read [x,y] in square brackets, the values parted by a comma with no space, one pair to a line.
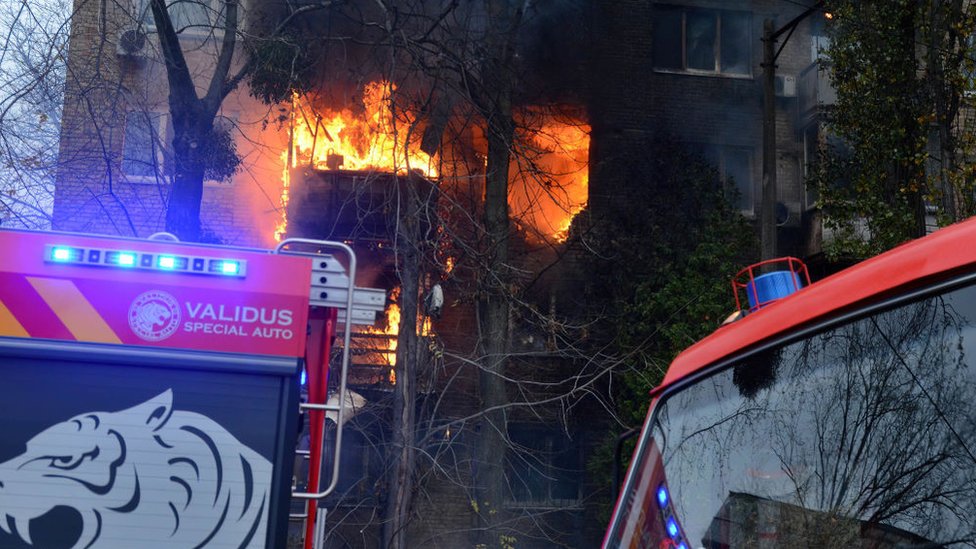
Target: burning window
[705,41]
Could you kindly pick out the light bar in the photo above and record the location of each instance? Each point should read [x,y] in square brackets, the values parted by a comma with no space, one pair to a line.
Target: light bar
[127,259]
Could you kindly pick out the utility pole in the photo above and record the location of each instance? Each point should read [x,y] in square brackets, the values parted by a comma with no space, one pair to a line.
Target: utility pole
[767,207]
[767,212]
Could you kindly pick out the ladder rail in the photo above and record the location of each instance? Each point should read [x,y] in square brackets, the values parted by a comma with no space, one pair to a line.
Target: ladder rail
[343,369]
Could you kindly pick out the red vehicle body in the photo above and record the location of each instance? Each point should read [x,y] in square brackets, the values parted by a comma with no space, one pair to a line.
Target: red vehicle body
[840,416]
[151,389]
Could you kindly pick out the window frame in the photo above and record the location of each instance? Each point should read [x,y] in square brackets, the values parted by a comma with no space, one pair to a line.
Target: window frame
[716,154]
[159,142]
[719,15]
[545,460]
[144,18]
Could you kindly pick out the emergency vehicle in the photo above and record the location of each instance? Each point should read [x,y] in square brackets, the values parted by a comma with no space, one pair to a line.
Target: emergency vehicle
[842,414]
[150,389]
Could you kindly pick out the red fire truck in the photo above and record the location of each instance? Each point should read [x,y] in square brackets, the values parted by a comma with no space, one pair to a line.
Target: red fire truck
[151,389]
[843,415]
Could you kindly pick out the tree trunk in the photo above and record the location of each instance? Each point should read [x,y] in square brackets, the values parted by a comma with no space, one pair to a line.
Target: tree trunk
[493,311]
[186,193]
[493,306]
[947,49]
[400,479]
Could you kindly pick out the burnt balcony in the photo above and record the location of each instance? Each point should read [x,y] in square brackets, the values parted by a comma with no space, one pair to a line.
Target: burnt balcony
[350,205]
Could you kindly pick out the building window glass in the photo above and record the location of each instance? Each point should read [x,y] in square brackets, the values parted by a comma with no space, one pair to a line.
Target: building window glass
[190,16]
[819,41]
[544,467]
[969,66]
[811,154]
[734,165]
[703,41]
[141,144]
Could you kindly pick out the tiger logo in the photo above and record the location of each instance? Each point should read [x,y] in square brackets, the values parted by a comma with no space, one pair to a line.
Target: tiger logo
[154,315]
[147,476]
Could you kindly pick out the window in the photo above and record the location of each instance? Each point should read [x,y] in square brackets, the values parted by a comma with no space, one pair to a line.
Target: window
[734,165]
[703,41]
[142,152]
[189,16]
[544,467]
[969,66]
[811,155]
[819,41]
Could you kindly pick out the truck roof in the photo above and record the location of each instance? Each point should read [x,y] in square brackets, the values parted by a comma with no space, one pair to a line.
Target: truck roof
[911,265]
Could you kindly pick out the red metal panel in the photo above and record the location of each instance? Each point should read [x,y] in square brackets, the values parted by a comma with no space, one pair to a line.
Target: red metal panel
[264,312]
[947,251]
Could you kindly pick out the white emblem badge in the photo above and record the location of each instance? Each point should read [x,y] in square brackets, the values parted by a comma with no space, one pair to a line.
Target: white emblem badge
[154,315]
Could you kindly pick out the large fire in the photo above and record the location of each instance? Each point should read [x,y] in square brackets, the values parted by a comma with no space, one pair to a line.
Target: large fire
[549,173]
[372,139]
[562,175]
[380,350]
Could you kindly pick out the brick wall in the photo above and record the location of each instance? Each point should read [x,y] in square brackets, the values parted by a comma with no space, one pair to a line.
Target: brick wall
[640,103]
[91,193]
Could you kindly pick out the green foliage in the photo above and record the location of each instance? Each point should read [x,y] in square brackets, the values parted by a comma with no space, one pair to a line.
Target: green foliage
[220,157]
[899,71]
[282,66]
[674,244]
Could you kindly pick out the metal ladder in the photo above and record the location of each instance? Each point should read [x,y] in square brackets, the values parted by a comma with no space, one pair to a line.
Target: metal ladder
[333,292]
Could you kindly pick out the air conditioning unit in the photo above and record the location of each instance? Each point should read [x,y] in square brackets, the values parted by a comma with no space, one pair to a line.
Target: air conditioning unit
[785,86]
[132,43]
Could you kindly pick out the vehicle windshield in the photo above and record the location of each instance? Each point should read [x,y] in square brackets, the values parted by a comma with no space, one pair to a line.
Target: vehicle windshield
[860,436]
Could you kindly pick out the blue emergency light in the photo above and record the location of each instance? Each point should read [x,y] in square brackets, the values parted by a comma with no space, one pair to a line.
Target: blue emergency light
[65,254]
[662,497]
[101,257]
[672,527]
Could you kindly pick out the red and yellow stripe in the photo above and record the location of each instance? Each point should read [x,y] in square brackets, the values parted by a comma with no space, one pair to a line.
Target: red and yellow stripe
[9,325]
[72,309]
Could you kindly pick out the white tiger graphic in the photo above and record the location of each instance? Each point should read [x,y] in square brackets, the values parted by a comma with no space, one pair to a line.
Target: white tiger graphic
[148,476]
[149,316]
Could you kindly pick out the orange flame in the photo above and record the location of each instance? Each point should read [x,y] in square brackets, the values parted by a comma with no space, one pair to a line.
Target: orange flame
[375,139]
[391,328]
[551,186]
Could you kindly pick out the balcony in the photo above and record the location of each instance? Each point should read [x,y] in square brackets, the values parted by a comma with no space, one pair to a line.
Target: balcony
[815,91]
[358,206]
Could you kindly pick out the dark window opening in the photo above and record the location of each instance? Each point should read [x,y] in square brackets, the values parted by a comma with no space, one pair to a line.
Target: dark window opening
[543,467]
[704,41]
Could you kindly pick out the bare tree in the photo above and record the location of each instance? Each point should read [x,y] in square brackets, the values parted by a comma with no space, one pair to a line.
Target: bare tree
[32,73]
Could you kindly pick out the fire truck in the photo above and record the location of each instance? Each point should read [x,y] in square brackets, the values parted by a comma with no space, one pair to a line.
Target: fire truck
[152,389]
[842,414]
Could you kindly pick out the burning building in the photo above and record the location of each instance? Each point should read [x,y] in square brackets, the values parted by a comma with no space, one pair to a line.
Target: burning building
[341,159]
